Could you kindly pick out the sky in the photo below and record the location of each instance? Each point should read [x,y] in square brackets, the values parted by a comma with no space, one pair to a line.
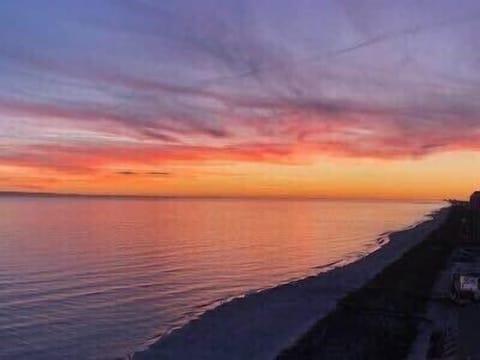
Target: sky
[302,98]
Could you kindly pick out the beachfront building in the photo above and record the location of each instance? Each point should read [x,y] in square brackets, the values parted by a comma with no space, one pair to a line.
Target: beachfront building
[475,208]
[475,200]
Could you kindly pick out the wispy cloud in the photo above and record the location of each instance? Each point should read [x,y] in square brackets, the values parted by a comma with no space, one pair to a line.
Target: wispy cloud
[220,82]
[142,173]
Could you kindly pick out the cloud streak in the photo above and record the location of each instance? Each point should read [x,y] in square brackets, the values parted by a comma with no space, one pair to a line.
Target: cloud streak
[219,83]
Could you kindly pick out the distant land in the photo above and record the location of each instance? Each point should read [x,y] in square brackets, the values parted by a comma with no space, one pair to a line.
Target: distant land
[53,194]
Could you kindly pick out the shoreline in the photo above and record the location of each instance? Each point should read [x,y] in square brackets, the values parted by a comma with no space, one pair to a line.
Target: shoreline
[261,325]
[382,319]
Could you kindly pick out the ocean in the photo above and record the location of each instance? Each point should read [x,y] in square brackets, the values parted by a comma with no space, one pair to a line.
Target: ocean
[98,278]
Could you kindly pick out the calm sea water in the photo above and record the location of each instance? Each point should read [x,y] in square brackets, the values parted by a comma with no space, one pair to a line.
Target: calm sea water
[97,278]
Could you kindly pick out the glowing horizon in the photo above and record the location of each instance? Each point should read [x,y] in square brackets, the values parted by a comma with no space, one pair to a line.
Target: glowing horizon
[219,99]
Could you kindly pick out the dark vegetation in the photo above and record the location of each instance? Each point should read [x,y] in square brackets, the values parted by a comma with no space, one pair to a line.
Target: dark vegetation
[380,320]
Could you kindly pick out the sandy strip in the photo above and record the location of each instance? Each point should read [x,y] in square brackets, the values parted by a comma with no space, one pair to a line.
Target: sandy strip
[260,325]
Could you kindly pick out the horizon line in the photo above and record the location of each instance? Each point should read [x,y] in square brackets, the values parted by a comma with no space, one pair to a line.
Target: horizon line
[212,197]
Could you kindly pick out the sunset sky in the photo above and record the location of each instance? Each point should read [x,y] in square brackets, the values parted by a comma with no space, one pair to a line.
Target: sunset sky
[339,98]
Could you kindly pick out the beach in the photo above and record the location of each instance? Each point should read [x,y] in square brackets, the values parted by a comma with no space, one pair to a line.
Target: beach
[129,271]
[262,325]
[381,319]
